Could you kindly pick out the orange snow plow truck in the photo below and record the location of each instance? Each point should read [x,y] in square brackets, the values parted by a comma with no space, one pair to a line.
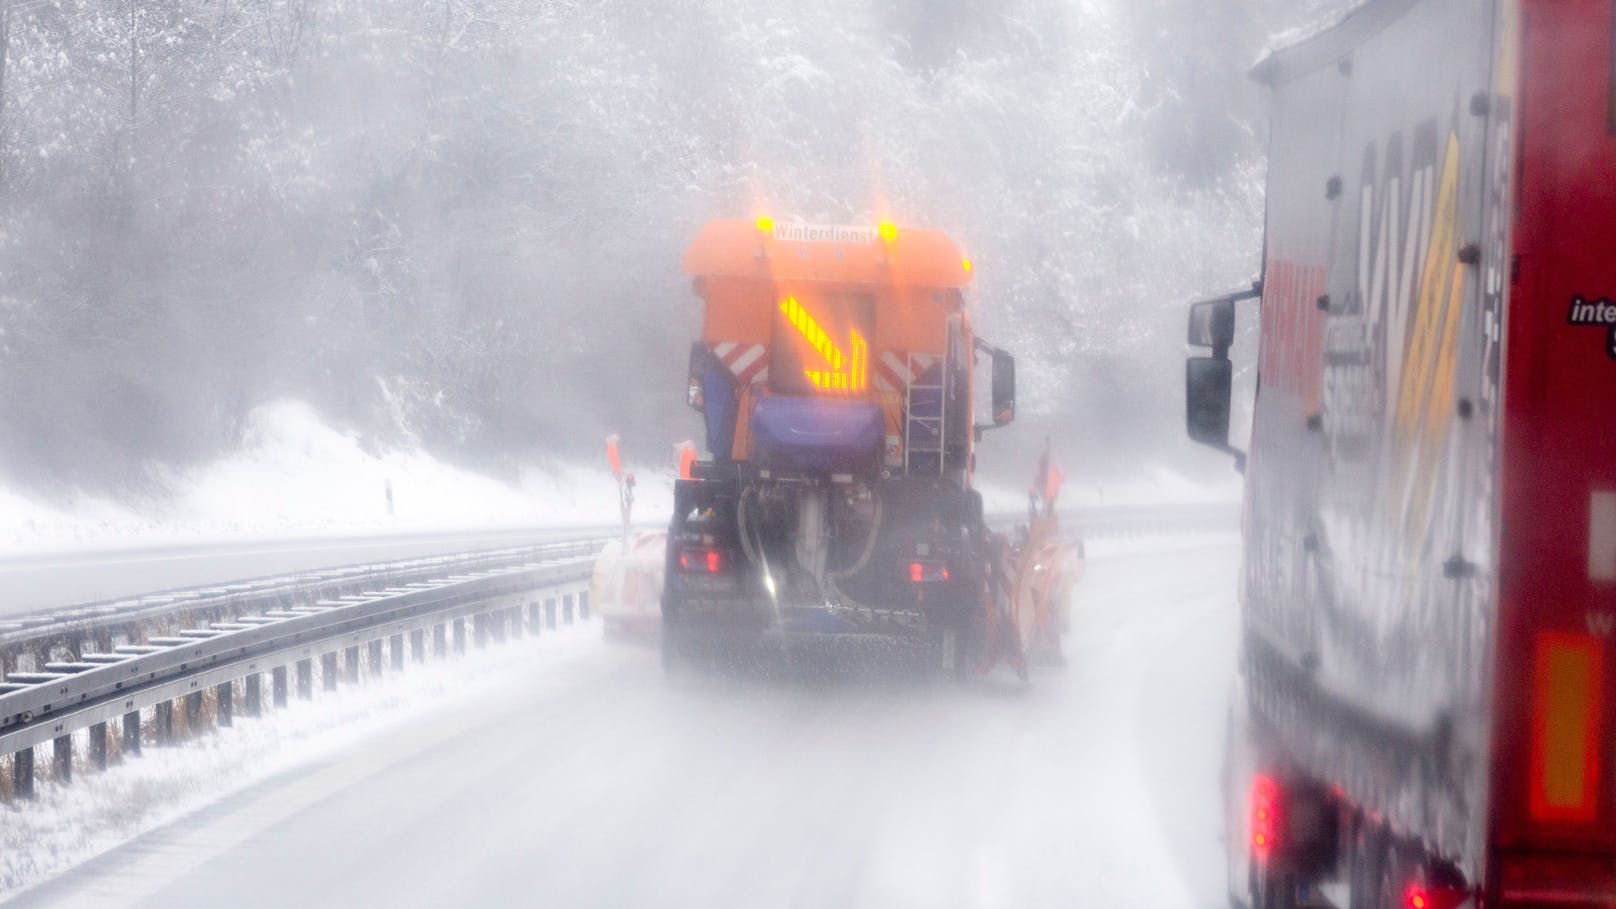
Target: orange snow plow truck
[1424,714]
[835,376]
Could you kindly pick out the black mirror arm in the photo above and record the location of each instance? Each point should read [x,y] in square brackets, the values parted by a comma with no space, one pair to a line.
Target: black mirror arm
[1250,293]
[1238,455]
[982,346]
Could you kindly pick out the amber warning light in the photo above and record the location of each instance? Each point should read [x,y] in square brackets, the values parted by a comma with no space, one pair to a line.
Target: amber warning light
[1568,680]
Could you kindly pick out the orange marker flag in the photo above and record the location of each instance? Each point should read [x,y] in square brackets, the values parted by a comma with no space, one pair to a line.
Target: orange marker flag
[687,459]
[611,455]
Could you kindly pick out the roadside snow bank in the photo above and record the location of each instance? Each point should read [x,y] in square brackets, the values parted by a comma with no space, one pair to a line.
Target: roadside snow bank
[295,475]
[67,825]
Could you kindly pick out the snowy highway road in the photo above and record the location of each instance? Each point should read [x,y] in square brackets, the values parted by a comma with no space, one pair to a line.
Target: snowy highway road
[578,776]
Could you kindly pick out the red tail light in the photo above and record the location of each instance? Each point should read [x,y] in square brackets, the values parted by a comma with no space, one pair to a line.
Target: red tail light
[1264,815]
[927,572]
[710,560]
[1419,896]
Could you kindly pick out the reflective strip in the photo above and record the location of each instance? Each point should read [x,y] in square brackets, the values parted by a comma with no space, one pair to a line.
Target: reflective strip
[747,359]
[747,363]
[1568,679]
[892,372]
[893,367]
[1602,536]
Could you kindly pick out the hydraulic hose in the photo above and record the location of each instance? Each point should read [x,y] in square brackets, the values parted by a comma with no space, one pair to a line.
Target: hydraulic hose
[869,544]
[744,530]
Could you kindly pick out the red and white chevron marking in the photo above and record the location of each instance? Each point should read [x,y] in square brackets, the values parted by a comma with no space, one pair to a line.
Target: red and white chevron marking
[892,372]
[746,361]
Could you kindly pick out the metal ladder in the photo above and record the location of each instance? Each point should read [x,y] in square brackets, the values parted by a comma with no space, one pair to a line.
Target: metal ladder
[918,443]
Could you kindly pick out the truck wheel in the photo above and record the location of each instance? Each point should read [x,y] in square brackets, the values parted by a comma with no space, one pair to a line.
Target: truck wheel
[952,661]
[1391,874]
[962,646]
[1272,891]
[1364,869]
[674,660]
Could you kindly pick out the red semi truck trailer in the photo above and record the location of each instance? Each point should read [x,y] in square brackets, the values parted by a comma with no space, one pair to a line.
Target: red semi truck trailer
[1424,713]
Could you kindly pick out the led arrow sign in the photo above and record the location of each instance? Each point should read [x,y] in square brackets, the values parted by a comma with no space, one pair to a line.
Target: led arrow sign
[849,373]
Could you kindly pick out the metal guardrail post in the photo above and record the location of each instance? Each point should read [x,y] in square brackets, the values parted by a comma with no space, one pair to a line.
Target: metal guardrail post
[328,671]
[254,691]
[305,679]
[395,645]
[350,664]
[418,645]
[193,712]
[440,640]
[550,613]
[513,618]
[535,616]
[459,636]
[277,686]
[62,758]
[22,774]
[131,732]
[566,608]
[375,648]
[163,719]
[583,605]
[496,622]
[224,702]
[98,746]
[479,630]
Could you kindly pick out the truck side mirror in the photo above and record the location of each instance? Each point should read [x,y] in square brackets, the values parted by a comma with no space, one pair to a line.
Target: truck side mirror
[1212,325]
[1004,388]
[1207,387]
[1209,381]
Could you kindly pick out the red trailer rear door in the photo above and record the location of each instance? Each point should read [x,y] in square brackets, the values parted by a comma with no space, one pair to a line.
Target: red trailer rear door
[1554,793]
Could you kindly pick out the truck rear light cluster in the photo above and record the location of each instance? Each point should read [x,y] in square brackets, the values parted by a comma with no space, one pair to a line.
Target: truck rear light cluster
[1567,682]
[708,560]
[1420,896]
[1264,815]
[927,572]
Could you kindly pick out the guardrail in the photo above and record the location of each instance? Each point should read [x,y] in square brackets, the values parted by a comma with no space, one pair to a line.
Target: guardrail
[30,640]
[209,663]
